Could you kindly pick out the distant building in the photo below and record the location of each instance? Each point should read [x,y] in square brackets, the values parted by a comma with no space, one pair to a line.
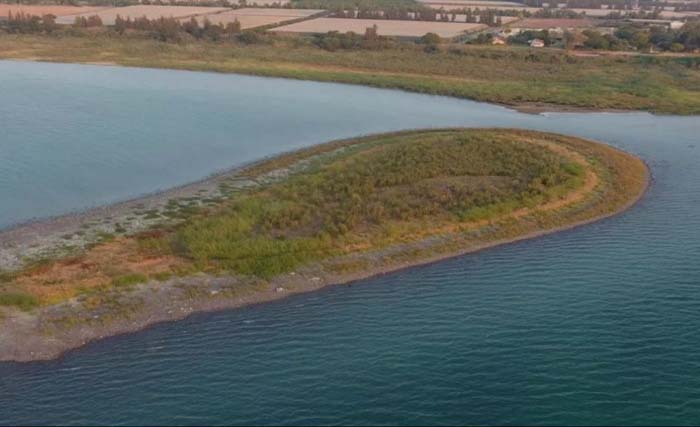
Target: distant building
[497,40]
[675,25]
[537,43]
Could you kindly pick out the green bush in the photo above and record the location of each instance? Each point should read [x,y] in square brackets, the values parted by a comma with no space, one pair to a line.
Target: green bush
[129,279]
[22,301]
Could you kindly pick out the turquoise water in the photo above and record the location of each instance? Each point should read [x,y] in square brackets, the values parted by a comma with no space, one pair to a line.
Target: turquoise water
[597,325]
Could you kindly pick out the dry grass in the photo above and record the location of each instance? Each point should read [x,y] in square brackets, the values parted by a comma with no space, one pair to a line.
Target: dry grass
[98,268]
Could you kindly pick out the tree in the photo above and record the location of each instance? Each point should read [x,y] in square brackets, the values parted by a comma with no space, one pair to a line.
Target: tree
[569,40]
[233,27]
[430,39]
[120,25]
[93,21]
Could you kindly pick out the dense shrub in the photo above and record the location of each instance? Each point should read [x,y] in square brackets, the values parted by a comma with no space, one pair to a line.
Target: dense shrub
[382,186]
[20,300]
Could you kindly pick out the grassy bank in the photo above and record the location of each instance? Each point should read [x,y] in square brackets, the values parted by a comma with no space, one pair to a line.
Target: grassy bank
[507,75]
[352,207]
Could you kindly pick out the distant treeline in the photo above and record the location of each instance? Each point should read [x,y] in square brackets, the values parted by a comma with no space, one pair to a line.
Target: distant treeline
[335,40]
[626,38]
[584,4]
[355,4]
[685,39]
[29,24]
[485,16]
[164,29]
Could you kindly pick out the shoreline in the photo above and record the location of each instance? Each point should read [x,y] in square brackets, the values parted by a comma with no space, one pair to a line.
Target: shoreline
[164,301]
[526,107]
[47,233]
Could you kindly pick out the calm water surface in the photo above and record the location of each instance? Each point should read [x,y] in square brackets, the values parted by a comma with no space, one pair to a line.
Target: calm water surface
[598,325]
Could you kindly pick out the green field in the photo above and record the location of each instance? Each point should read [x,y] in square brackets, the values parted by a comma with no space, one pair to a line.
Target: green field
[507,75]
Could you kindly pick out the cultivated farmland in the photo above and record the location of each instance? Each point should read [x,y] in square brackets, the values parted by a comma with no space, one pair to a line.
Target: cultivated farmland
[40,10]
[108,16]
[468,4]
[460,17]
[258,17]
[263,2]
[552,23]
[476,3]
[385,27]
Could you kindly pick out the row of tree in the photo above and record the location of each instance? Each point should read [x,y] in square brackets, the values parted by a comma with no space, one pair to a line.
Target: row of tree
[335,40]
[628,37]
[22,23]
[686,39]
[170,29]
[485,16]
[165,29]
[585,4]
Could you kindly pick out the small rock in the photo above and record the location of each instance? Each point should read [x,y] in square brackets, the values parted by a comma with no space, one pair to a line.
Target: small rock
[279,289]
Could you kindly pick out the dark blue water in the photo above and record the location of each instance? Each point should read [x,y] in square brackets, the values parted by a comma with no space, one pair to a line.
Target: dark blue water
[597,325]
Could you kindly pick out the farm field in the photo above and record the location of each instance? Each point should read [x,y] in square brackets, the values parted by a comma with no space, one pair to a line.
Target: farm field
[476,3]
[41,10]
[667,14]
[108,16]
[458,4]
[239,3]
[597,13]
[263,2]
[461,17]
[257,17]
[548,24]
[385,27]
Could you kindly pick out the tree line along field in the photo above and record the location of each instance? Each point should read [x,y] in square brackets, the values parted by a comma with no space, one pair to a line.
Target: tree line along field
[257,17]
[108,16]
[249,18]
[336,204]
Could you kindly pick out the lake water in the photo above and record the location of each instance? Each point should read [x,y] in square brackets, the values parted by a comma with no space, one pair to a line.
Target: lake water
[597,325]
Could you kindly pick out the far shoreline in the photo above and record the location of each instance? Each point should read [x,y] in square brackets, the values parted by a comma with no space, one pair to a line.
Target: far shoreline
[34,348]
[525,107]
